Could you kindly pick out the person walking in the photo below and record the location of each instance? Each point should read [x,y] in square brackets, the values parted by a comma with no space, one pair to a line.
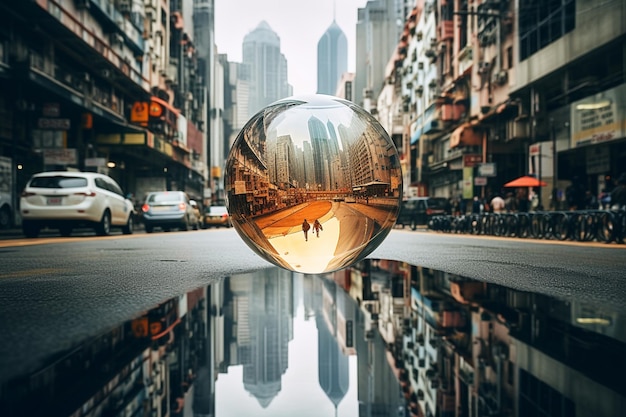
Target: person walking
[317,226]
[497,204]
[618,195]
[305,228]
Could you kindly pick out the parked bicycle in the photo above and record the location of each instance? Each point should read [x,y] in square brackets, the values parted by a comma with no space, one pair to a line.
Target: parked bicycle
[602,225]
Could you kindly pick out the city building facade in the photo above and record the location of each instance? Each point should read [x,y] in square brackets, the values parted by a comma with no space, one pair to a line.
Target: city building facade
[486,92]
[103,86]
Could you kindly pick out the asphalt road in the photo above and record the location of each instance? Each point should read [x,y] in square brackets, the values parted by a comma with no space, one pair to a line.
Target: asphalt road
[57,291]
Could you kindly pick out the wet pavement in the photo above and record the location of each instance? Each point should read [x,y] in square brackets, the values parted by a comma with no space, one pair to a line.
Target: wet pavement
[382,337]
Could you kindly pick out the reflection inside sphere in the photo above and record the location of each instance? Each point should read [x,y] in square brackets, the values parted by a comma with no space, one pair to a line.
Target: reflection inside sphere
[313,183]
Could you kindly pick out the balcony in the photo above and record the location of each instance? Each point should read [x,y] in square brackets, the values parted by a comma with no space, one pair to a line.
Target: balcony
[97,51]
[445,30]
[451,112]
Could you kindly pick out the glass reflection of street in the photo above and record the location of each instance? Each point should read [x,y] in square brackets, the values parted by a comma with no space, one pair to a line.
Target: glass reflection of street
[379,338]
[313,158]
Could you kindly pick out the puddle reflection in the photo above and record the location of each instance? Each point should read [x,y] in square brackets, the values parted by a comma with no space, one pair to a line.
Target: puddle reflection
[382,338]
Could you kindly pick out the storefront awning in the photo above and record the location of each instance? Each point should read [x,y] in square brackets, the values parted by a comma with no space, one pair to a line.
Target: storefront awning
[416,130]
[465,135]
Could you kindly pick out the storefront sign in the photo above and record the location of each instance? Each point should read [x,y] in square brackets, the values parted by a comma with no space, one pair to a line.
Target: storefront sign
[599,118]
[240,187]
[487,169]
[95,162]
[51,110]
[468,183]
[139,113]
[66,156]
[471,160]
[480,181]
[53,124]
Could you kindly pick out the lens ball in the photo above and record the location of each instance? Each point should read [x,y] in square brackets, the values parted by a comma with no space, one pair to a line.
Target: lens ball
[313,183]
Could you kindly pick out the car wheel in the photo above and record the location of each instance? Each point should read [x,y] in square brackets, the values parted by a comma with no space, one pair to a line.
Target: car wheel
[29,229]
[185,226]
[413,225]
[149,229]
[129,228]
[65,231]
[104,227]
[5,218]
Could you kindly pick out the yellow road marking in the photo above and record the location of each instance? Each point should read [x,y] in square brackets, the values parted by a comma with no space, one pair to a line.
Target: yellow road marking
[31,272]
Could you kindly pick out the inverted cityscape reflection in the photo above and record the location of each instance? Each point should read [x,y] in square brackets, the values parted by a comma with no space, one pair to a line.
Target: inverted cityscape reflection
[380,338]
[313,183]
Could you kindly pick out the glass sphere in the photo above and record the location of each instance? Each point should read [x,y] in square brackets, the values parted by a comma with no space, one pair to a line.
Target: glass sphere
[313,183]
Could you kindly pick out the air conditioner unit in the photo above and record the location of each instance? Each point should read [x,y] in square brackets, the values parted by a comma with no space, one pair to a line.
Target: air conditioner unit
[484,67]
[500,77]
[117,39]
[124,6]
[517,129]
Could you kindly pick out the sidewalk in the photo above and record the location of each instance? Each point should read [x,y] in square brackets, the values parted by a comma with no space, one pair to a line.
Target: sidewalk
[14,232]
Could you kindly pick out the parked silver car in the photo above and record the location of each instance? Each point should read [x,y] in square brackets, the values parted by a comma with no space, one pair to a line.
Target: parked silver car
[168,210]
[65,200]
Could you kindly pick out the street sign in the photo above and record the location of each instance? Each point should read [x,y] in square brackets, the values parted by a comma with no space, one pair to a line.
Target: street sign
[487,169]
[53,124]
[471,160]
[480,181]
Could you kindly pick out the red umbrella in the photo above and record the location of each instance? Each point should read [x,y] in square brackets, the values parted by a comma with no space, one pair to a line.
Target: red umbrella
[525,181]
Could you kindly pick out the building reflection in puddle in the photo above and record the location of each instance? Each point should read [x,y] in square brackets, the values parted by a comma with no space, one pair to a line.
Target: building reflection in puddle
[382,338]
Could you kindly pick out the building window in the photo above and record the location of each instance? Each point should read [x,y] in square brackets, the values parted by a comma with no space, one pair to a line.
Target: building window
[536,398]
[542,22]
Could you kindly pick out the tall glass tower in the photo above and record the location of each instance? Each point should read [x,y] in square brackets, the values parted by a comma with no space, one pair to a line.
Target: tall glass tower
[267,68]
[332,59]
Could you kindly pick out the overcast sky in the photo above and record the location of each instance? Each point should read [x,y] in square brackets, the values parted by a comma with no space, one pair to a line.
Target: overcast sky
[298,23]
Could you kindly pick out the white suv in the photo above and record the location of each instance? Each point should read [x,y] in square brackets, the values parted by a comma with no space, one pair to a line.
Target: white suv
[64,200]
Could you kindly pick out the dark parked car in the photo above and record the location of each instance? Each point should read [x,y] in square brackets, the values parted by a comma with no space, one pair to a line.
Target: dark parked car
[216,216]
[418,210]
[168,210]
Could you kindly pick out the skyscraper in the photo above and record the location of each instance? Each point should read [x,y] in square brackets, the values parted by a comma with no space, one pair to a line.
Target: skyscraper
[378,30]
[267,68]
[332,59]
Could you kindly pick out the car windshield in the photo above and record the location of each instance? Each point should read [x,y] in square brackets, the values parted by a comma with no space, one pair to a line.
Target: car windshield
[437,203]
[164,197]
[60,181]
[217,210]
